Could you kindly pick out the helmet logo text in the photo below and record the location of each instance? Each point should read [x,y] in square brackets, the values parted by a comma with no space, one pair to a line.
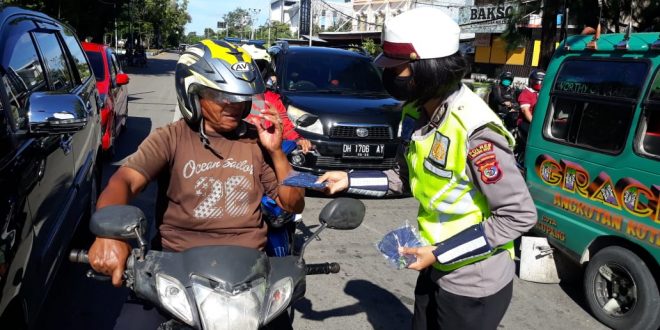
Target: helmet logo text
[241,67]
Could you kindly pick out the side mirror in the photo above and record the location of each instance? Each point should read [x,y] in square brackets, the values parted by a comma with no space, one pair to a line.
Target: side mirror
[56,113]
[119,222]
[343,213]
[306,120]
[121,79]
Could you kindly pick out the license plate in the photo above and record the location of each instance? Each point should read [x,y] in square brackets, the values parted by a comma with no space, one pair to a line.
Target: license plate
[359,150]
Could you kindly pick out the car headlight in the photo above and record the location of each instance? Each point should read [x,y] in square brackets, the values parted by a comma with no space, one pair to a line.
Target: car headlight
[279,296]
[295,114]
[173,297]
[398,130]
[220,310]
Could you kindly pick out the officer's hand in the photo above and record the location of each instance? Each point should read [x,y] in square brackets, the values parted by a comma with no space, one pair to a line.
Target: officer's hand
[304,144]
[424,256]
[337,181]
[108,256]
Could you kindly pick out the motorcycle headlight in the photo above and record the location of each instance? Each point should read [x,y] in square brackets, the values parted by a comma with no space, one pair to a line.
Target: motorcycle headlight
[295,113]
[279,296]
[173,297]
[220,309]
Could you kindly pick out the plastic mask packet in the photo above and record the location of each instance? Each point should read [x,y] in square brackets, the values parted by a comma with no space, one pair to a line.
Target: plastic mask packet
[405,236]
[304,180]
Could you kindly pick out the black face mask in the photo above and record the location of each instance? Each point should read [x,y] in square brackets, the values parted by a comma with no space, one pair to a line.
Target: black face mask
[401,88]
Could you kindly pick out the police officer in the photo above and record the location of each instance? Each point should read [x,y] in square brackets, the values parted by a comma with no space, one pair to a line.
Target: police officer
[456,160]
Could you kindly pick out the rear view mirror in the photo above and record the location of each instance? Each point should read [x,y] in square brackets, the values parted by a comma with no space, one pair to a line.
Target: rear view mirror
[56,113]
[121,79]
[343,213]
[306,120]
[119,222]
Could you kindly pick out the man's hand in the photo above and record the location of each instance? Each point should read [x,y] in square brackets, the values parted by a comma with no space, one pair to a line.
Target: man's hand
[337,181]
[108,256]
[304,144]
[424,254]
[270,129]
[507,103]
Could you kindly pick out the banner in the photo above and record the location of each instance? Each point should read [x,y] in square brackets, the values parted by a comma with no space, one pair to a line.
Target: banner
[305,7]
[486,18]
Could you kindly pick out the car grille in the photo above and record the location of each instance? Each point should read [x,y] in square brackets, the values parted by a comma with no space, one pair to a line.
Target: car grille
[339,163]
[350,132]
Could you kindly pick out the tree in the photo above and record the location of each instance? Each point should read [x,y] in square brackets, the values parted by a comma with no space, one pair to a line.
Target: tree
[239,22]
[372,47]
[584,13]
[340,25]
[163,19]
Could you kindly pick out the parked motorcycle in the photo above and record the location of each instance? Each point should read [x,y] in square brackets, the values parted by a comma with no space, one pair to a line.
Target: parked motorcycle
[216,287]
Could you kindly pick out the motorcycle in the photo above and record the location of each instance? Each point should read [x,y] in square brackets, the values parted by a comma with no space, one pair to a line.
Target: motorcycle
[216,287]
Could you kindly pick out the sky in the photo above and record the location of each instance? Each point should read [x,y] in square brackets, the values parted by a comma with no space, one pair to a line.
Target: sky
[207,13]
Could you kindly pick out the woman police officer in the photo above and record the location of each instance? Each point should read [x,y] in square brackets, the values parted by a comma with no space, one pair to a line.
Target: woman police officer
[456,160]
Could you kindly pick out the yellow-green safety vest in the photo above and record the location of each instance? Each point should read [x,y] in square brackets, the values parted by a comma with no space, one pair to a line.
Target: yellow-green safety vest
[437,163]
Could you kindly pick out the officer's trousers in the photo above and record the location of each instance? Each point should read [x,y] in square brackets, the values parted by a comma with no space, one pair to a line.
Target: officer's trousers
[436,308]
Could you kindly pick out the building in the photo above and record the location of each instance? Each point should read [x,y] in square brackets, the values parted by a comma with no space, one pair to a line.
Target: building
[326,14]
[287,11]
[370,15]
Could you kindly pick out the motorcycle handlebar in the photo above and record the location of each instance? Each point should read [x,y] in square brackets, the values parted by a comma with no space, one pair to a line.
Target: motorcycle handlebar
[79,256]
[324,268]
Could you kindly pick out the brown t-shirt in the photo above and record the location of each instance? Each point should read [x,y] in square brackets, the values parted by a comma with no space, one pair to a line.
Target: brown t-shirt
[210,200]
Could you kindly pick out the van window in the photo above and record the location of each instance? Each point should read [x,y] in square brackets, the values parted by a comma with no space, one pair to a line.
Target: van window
[591,107]
[601,78]
[650,125]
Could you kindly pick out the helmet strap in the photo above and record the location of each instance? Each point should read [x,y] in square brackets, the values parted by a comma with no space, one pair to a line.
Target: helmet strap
[205,139]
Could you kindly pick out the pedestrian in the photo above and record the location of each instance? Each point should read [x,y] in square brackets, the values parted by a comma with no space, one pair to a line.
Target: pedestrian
[456,159]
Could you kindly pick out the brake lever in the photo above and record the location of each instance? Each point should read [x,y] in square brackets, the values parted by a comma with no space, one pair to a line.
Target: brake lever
[97,276]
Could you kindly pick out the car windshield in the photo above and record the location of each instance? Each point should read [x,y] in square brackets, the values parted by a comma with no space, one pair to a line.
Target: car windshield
[594,77]
[331,73]
[96,59]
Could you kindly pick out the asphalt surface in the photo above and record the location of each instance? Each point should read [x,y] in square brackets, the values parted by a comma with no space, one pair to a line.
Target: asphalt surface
[365,294]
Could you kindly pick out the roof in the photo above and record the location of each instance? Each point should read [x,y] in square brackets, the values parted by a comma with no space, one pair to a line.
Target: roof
[324,50]
[6,12]
[639,42]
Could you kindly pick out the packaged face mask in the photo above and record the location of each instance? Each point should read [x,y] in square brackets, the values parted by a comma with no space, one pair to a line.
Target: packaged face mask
[405,236]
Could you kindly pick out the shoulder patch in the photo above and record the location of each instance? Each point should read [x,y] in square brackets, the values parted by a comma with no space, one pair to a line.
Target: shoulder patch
[439,150]
[481,149]
[489,168]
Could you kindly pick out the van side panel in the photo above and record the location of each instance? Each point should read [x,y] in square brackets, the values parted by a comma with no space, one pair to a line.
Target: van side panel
[582,194]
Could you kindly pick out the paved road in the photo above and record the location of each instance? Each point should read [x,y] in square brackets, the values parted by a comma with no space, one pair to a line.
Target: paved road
[366,294]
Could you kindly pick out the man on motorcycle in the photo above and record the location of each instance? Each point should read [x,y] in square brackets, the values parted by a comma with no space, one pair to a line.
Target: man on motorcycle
[217,167]
[527,100]
[503,100]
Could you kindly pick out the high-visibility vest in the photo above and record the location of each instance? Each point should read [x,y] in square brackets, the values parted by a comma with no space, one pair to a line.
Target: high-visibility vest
[437,163]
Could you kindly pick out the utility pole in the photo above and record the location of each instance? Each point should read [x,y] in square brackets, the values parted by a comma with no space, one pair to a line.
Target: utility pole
[311,21]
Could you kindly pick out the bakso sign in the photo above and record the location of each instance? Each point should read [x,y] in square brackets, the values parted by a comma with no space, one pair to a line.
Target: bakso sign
[485,19]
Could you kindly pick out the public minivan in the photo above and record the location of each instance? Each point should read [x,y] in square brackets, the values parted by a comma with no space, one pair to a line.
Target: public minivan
[593,169]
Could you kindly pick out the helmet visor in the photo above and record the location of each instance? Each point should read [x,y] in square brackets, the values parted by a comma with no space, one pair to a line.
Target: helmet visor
[223,97]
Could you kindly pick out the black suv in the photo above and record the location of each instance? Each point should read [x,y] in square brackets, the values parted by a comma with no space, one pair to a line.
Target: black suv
[336,99]
[50,137]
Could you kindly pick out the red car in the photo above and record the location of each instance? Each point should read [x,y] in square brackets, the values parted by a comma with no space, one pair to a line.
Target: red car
[111,82]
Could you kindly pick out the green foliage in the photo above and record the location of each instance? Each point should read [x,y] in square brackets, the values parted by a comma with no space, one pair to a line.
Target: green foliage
[278,30]
[239,23]
[370,46]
